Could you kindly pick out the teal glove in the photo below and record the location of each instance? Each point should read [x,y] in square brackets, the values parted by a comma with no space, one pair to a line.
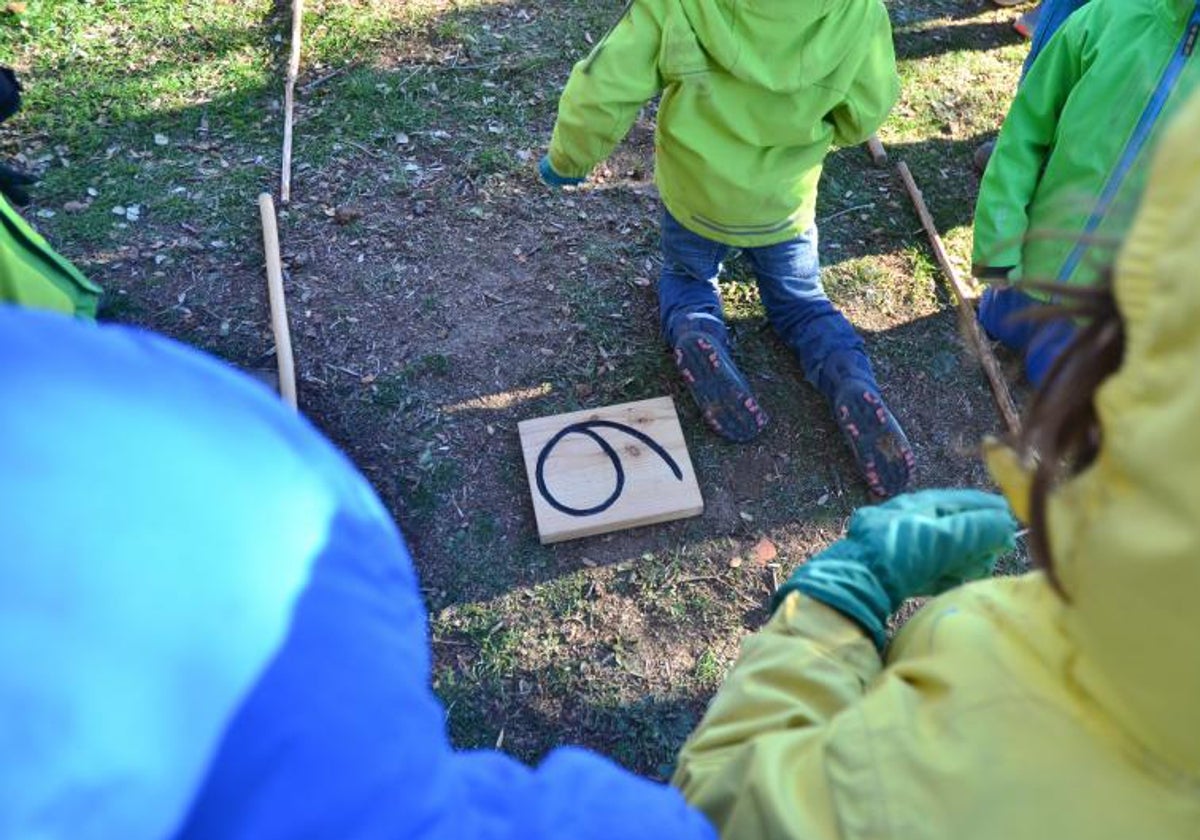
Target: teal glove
[915,544]
[551,178]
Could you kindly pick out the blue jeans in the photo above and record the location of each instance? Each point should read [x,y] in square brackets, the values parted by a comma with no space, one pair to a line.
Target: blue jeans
[1051,15]
[1039,342]
[789,283]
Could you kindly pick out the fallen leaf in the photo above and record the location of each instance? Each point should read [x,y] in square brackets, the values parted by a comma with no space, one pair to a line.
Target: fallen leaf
[764,551]
[16,8]
[75,207]
[346,215]
[161,140]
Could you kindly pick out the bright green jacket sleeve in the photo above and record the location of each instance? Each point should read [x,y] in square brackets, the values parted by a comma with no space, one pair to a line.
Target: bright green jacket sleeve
[1022,149]
[606,90]
[34,275]
[870,97]
[757,764]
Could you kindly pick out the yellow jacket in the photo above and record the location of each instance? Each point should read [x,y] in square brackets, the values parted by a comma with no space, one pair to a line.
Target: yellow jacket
[1004,711]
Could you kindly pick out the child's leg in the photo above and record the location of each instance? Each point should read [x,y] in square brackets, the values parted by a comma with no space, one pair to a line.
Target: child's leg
[789,280]
[694,327]
[1003,314]
[688,298]
[833,358]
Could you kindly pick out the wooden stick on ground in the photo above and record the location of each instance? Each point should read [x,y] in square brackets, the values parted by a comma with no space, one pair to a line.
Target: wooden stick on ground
[875,147]
[279,320]
[289,102]
[991,367]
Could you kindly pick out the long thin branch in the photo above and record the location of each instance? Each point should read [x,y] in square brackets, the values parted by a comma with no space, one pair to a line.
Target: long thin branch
[991,367]
[289,102]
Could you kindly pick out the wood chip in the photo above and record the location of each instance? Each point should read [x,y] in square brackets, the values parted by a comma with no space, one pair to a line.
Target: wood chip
[764,551]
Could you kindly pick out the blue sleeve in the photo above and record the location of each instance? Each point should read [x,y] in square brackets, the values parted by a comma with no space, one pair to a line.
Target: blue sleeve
[1051,15]
[211,628]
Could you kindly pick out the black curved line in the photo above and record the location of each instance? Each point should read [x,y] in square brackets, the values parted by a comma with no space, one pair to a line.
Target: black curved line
[585,428]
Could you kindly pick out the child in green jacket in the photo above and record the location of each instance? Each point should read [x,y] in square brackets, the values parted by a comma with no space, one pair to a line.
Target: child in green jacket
[1069,164]
[753,94]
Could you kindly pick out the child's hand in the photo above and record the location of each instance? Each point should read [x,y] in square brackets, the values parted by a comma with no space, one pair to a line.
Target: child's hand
[919,543]
[551,178]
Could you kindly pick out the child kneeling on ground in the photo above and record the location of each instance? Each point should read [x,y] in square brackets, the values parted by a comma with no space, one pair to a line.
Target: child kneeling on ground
[752,98]
[1071,159]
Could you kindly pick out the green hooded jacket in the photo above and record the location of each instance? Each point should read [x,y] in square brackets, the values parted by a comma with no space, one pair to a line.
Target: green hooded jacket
[33,275]
[1070,162]
[753,94]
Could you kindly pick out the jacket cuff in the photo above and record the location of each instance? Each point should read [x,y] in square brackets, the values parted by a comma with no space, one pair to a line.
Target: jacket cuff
[549,175]
[991,272]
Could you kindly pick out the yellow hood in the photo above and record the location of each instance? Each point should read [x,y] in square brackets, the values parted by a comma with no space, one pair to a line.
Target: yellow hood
[1125,533]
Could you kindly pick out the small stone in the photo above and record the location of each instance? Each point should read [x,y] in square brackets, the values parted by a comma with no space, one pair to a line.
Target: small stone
[75,207]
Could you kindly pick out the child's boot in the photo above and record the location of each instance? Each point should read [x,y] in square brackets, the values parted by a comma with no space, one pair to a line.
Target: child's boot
[718,387]
[879,445]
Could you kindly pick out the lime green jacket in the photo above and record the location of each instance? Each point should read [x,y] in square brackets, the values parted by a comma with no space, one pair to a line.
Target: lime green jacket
[1005,710]
[33,275]
[753,94]
[1071,158]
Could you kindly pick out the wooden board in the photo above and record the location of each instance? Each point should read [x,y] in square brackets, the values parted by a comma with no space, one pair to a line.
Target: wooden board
[591,472]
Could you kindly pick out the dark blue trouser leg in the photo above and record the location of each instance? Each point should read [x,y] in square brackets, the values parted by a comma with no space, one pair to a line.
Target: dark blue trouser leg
[826,344]
[1039,342]
[688,298]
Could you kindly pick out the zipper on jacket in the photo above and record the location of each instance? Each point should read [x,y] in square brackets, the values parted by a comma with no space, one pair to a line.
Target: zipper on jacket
[1141,133]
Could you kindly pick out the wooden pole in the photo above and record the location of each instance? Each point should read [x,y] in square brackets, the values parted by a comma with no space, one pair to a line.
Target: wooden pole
[279,319]
[289,102]
[991,367]
[875,147]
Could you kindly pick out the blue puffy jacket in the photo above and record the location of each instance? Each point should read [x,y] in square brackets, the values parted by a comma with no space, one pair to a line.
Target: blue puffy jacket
[210,627]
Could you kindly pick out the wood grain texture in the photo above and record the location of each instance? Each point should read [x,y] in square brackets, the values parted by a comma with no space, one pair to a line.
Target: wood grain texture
[576,452]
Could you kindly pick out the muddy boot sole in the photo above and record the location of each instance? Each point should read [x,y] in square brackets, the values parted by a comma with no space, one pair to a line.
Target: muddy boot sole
[718,387]
[880,447]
